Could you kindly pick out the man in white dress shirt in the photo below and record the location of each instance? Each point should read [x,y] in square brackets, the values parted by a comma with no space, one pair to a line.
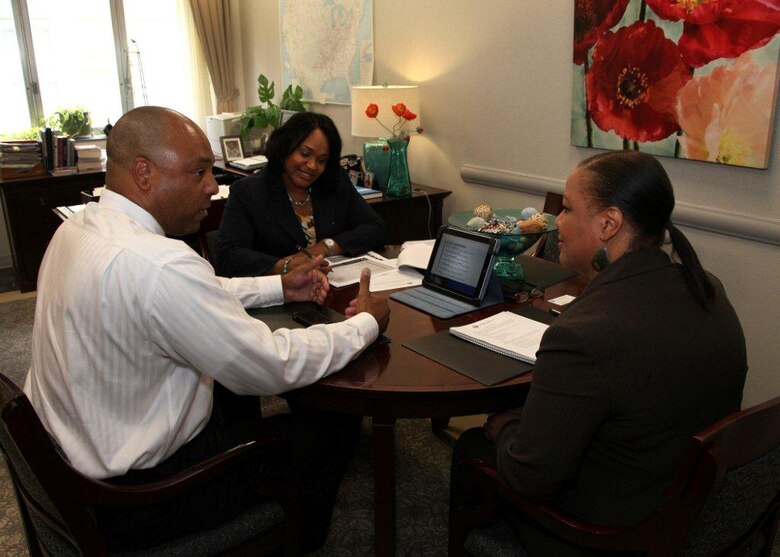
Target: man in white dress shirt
[132,329]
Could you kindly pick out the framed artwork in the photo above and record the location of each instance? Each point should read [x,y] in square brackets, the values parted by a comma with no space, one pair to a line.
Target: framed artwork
[691,80]
[232,149]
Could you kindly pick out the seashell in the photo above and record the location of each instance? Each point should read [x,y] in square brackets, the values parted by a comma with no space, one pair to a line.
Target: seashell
[485,211]
[475,223]
[537,223]
[527,213]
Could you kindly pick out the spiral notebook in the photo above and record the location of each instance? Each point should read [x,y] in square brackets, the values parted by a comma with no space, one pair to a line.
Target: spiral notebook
[506,333]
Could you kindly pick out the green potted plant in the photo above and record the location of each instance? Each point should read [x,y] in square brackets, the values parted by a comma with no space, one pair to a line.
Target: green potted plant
[267,113]
[71,121]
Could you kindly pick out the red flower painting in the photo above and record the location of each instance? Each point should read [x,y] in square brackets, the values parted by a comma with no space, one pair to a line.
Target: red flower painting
[693,79]
[633,82]
[720,28]
[591,19]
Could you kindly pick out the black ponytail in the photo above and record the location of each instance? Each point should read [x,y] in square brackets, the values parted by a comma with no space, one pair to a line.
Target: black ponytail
[698,281]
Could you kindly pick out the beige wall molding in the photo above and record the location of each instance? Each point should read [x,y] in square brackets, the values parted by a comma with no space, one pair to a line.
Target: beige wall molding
[739,225]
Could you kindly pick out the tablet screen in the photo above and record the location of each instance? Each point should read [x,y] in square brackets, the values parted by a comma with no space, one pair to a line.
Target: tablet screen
[461,264]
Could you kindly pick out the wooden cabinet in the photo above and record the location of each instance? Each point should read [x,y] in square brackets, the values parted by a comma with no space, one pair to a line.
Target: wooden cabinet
[411,218]
[28,204]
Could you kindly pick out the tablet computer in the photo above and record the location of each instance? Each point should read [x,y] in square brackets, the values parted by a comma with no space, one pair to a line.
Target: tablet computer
[461,264]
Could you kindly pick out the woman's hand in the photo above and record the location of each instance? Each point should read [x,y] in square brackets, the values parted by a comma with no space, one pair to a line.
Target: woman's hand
[296,260]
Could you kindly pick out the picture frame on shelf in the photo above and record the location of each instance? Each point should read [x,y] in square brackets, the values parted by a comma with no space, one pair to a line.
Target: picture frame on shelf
[285,115]
[232,149]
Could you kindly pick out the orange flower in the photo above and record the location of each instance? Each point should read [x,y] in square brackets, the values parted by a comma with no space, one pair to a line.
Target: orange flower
[726,115]
[398,130]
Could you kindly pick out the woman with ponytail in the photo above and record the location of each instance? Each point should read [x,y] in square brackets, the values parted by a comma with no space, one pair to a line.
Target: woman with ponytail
[648,355]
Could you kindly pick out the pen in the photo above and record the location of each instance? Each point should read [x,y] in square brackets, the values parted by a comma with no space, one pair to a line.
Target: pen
[555,312]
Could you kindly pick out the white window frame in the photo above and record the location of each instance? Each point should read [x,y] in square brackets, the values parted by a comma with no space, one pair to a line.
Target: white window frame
[30,70]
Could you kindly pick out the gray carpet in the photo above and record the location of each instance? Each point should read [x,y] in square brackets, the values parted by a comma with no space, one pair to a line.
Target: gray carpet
[422,471]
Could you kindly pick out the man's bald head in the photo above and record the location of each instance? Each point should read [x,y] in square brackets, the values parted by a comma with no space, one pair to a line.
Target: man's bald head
[142,132]
[161,161]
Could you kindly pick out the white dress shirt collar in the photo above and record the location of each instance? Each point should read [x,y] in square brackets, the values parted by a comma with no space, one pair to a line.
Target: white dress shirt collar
[118,202]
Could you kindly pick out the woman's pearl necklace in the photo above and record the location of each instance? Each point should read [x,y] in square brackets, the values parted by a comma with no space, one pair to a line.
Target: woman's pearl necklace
[299,203]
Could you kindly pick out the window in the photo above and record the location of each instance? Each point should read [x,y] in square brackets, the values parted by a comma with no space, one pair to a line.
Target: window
[13,99]
[73,44]
[69,58]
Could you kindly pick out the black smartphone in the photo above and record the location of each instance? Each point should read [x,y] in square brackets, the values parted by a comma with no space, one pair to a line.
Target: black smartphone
[311,317]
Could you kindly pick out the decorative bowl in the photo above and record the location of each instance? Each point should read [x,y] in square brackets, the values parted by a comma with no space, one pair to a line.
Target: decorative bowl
[511,244]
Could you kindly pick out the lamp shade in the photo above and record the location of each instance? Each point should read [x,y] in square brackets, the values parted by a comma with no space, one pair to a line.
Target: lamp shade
[384,96]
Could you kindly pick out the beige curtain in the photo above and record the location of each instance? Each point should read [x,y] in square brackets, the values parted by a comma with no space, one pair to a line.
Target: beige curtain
[212,20]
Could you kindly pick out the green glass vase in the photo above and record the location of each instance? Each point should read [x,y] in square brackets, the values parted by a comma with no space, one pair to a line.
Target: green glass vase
[398,183]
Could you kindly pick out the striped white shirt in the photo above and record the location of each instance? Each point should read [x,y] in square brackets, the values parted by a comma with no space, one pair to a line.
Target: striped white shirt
[131,328]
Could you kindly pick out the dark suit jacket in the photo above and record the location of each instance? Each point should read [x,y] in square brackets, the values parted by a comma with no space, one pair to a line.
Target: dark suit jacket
[259,226]
[624,377]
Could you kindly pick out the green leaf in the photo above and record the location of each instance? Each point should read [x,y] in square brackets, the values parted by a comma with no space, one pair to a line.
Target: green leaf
[265,89]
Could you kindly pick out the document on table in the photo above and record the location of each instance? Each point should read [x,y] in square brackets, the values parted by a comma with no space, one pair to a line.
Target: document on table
[506,333]
[407,270]
[346,272]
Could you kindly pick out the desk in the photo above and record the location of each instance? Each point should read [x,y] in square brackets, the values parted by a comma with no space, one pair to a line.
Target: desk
[390,381]
[28,204]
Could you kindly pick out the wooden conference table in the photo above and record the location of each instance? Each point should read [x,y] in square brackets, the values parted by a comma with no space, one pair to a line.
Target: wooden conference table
[390,381]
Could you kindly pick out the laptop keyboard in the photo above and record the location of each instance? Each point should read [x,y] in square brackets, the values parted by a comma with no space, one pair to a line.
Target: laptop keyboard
[439,300]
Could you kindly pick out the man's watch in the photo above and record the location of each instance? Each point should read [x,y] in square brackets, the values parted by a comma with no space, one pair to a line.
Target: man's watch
[330,244]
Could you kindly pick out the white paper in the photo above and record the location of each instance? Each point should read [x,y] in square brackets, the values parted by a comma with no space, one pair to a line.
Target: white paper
[223,193]
[562,300]
[415,255]
[348,271]
[506,333]
[395,278]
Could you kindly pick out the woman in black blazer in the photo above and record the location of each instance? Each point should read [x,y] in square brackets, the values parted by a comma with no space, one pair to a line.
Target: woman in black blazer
[649,354]
[301,200]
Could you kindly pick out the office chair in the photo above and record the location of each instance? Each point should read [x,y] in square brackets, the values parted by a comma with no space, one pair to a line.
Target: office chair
[55,499]
[725,500]
[547,246]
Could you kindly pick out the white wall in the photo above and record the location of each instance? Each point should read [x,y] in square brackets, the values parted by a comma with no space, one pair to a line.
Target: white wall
[495,92]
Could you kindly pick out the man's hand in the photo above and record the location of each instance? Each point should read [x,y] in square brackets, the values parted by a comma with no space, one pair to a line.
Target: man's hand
[496,422]
[375,305]
[306,283]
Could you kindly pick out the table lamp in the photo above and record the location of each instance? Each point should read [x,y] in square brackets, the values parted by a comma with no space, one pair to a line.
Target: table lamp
[390,113]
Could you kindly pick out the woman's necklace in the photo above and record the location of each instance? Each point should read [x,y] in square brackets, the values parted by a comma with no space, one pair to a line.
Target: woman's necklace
[299,203]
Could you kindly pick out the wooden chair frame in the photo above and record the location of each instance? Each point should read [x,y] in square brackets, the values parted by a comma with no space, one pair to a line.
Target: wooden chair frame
[71,493]
[730,443]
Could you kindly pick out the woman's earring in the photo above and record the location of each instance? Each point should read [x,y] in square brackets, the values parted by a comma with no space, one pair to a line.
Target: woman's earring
[600,259]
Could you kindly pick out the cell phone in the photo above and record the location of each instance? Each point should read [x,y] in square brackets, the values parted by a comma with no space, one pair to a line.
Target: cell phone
[311,317]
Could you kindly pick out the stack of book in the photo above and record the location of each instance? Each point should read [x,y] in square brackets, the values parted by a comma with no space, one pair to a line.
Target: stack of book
[19,159]
[59,153]
[250,163]
[368,193]
[89,158]
[64,156]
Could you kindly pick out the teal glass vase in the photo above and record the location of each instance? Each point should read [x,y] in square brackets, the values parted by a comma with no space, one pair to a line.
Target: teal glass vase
[398,182]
